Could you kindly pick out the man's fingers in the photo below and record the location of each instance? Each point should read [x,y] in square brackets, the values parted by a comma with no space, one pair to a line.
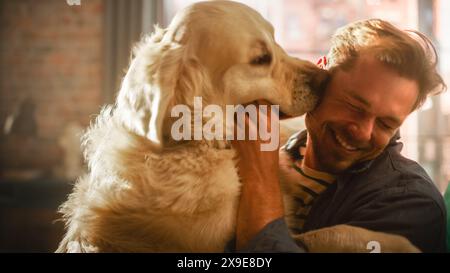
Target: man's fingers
[249,126]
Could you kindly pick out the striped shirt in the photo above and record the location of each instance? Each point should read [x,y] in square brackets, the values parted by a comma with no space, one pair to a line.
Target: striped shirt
[301,185]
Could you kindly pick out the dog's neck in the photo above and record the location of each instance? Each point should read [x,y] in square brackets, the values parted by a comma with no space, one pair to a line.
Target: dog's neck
[170,143]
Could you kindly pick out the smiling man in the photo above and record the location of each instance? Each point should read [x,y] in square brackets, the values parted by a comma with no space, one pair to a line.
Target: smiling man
[360,112]
[347,168]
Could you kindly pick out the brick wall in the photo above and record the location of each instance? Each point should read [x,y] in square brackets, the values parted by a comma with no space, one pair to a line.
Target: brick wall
[51,52]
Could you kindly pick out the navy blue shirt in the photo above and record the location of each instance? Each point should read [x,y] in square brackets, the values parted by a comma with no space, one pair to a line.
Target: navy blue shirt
[388,194]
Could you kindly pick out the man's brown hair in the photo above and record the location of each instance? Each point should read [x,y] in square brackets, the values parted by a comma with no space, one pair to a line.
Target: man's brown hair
[408,52]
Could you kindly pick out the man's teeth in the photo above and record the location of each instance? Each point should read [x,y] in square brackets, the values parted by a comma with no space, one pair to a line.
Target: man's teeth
[345,144]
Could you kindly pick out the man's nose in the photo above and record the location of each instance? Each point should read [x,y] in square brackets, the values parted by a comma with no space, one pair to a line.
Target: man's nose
[361,131]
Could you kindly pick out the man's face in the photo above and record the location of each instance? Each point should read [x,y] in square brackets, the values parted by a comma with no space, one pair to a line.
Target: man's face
[360,112]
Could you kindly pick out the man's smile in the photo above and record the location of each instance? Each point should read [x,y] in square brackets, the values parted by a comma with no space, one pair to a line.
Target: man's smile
[341,141]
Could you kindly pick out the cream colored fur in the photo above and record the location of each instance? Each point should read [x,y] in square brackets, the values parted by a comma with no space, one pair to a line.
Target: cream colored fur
[345,238]
[146,192]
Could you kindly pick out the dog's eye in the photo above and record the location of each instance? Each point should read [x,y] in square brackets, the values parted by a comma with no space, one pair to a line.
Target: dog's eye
[262,60]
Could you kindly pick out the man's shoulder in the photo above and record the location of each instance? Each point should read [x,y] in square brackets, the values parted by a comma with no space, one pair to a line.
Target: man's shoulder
[408,168]
[398,168]
[395,174]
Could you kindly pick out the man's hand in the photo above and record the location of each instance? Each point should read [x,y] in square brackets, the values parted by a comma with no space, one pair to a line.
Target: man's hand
[261,200]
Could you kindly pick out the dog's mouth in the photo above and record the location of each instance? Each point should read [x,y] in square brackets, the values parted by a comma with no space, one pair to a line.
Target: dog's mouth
[282,115]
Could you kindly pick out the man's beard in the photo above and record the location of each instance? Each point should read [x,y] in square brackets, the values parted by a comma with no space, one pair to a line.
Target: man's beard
[328,162]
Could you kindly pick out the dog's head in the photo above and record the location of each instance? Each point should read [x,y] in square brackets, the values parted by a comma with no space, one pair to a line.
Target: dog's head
[224,52]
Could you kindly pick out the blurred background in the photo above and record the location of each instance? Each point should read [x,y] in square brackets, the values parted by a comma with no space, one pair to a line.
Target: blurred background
[60,60]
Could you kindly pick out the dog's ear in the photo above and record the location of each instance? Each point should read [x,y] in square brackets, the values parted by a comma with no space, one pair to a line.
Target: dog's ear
[148,87]
[160,76]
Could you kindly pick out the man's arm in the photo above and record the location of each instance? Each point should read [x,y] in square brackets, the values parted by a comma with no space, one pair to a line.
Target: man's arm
[274,237]
[260,225]
[260,201]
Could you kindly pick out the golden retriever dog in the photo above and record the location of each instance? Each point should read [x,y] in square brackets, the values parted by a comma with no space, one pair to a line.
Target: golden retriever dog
[147,192]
